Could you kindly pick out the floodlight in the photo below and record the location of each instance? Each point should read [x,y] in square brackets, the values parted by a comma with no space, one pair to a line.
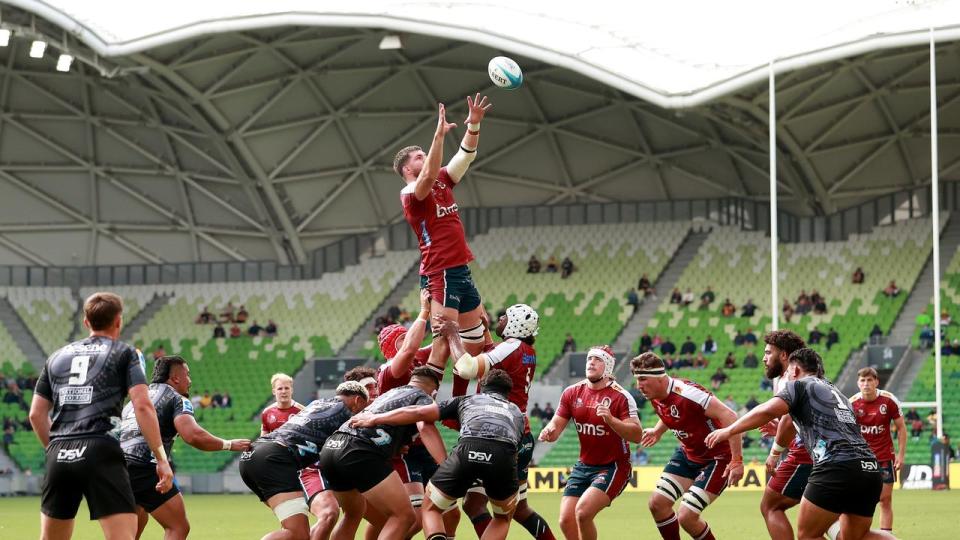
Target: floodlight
[390,42]
[37,48]
[4,37]
[63,63]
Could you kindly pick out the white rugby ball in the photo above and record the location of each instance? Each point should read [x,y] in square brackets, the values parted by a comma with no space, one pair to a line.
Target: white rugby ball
[505,73]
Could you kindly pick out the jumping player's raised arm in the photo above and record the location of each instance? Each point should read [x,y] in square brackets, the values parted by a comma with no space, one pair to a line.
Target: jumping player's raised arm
[477,108]
[431,165]
[400,364]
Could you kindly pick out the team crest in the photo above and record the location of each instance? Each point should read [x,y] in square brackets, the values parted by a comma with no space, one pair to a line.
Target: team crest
[606,402]
[883,409]
[579,402]
[674,412]
[859,412]
[272,418]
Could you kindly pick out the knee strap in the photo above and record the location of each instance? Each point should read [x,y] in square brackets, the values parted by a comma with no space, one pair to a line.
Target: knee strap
[472,335]
[439,498]
[502,508]
[667,486]
[290,508]
[697,499]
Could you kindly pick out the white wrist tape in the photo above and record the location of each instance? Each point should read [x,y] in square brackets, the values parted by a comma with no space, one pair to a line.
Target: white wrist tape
[777,448]
[161,454]
[226,444]
[473,127]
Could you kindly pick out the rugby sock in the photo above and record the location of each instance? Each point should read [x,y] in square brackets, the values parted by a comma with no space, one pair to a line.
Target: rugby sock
[480,522]
[437,536]
[669,528]
[537,527]
[705,535]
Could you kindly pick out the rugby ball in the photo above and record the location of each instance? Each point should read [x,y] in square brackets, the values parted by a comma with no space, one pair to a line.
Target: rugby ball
[505,73]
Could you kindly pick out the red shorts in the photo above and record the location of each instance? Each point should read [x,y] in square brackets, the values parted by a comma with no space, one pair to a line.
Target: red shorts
[313,482]
[790,478]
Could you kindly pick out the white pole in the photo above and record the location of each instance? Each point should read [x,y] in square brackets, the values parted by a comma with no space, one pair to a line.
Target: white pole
[774,294]
[935,214]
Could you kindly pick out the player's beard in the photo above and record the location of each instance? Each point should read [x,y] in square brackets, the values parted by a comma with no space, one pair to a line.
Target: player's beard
[594,380]
[774,370]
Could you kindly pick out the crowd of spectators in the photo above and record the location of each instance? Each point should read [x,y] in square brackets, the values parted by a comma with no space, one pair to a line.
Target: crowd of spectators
[12,388]
[234,317]
[565,267]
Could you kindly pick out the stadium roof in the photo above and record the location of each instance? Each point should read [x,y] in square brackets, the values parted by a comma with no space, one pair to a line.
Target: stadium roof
[218,131]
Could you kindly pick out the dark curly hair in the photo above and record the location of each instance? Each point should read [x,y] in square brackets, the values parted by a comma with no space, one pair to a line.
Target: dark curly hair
[359,373]
[808,360]
[161,370]
[497,381]
[785,340]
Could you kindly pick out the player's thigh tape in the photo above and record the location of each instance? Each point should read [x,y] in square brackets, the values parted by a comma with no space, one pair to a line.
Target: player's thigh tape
[439,498]
[472,335]
[669,486]
[697,499]
[522,494]
[504,507]
[290,508]
[416,500]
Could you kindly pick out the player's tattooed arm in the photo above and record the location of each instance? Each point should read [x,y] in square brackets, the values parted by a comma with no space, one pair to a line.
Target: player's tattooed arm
[201,439]
[431,165]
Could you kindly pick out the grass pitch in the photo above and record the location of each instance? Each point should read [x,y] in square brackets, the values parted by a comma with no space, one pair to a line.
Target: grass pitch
[919,514]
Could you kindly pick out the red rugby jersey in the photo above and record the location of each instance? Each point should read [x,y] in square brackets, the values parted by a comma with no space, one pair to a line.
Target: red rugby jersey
[436,222]
[273,417]
[684,411]
[875,418]
[599,443]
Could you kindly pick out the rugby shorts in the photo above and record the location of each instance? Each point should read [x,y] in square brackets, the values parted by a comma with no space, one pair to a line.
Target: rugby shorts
[494,463]
[143,480]
[350,463]
[846,487]
[452,288]
[92,467]
[269,469]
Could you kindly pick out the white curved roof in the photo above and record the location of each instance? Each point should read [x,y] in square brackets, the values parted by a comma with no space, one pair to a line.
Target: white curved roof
[675,53]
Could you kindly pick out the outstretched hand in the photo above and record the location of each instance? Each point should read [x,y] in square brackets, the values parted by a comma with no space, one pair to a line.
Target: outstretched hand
[444,326]
[442,125]
[476,108]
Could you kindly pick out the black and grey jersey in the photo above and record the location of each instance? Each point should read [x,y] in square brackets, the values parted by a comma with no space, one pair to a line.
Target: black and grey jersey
[169,405]
[389,439]
[824,421]
[86,381]
[485,416]
[306,431]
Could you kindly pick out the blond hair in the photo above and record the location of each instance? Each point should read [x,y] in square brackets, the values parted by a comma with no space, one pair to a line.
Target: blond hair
[283,377]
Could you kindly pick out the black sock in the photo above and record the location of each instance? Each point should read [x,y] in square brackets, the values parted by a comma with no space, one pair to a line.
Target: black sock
[537,527]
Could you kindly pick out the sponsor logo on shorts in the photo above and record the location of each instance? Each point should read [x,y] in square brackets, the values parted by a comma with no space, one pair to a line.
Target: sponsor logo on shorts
[869,466]
[334,444]
[474,455]
[71,455]
[76,395]
[246,455]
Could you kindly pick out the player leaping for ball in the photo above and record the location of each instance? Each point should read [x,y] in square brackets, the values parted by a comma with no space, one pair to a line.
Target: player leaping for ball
[697,473]
[605,415]
[431,210]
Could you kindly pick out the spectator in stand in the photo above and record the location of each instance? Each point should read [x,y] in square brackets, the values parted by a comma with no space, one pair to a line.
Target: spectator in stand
[718,378]
[709,346]
[815,336]
[552,265]
[217,399]
[891,289]
[803,303]
[195,401]
[748,309]
[820,306]
[548,411]
[876,334]
[858,276]
[815,297]
[254,329]
[766,384]
[730,362]
[787,310]
[730,402]
[832,338]
[242,314]
[639,457]
[646,342]
[951,452]
[912,415]
[687,298]
[728,309]
[926,337]
[750,338]
[8,439]
[916,428]
[536,411]
[945,318]
[159,352]
[227,314]
[271,328]
[569,345]
[676,297]
[738,340]
[701,361]
[633,299]
[688,347]
[566,268]
[645,286]
[404,317]
[669,362]
[657,341]
[956,348]
[707,298]
[205,316]
[235,331]
[206,401]
[946,349]
[751,403]
[393,314]
[227,401]
[219,332]
[932,420]
[667,347]
[533,265]
[750,360]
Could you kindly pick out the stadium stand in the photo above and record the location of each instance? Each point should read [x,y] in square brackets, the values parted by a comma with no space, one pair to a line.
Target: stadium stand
[47,312]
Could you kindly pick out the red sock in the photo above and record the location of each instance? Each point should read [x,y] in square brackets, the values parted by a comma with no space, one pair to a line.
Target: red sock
[480,522]
[669,528]
[705,535]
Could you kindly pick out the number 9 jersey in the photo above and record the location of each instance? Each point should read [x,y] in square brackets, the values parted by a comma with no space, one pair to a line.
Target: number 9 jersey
[87,381]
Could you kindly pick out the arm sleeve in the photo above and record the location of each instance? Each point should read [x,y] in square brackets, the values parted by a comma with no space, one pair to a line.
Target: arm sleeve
[627,407]
[502,351]
[43,384]
[450,408]
[135,368]
[564,409]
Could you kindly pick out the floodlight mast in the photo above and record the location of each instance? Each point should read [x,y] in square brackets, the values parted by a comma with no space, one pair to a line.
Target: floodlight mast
[774,295]
[935,220]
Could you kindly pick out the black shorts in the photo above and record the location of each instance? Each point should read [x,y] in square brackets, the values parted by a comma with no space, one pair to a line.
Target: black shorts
[453,288]
[351,463]
[846,487]
[269,469]
[143,479]
[494,463]
[93,468]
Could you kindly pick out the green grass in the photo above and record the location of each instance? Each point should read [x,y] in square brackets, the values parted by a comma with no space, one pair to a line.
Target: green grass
[918,514]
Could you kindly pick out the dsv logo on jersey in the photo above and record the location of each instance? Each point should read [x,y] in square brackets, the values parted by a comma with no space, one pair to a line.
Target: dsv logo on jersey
[70,455]
[474,455]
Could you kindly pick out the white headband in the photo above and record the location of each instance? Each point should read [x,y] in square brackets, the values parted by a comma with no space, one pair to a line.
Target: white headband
[655,372]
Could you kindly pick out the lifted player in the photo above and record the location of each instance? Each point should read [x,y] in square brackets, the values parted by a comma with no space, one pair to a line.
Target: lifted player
[605,415]
[789,476]
[846,480]
[490,429]
[83,385]
[694,471]
[276,414]
[169,390]
[518,329]
[876,410]
[357,461]
[272,468]
[431,210]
